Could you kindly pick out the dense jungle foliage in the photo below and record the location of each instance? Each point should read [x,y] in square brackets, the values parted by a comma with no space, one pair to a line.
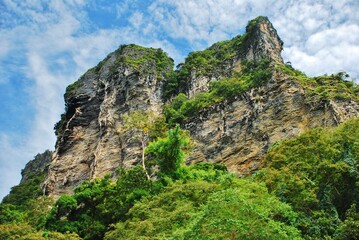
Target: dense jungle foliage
[307,189]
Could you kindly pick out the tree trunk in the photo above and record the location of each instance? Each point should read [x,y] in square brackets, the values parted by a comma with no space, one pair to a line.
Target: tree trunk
[143,159]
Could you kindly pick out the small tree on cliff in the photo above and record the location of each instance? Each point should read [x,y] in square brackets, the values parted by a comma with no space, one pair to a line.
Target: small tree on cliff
[169,151]
[142,126]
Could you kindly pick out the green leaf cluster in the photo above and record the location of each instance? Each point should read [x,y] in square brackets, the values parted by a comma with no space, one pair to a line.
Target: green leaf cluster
[168,152]
[23,231]
[334,86]
[318,174]
[225,208]
[145,61]
[254,74]
[97,204]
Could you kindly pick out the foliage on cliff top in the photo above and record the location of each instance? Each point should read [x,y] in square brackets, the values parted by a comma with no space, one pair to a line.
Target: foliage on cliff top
[213,62]
[334,86]
[143,60]
[210,62]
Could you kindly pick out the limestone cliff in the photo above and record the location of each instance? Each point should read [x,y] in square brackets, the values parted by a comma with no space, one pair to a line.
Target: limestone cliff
[236,132]
[88,144]
[37,166]
[33,176]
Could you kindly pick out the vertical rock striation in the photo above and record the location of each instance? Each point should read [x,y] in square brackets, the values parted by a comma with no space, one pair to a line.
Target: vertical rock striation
[235,132]
[89,144]
[238,133]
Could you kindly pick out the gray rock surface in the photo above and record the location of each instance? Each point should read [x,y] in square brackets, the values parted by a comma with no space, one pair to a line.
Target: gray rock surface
[89,144]
[236,133]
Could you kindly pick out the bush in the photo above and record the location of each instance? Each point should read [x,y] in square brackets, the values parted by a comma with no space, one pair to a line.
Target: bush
[317,173]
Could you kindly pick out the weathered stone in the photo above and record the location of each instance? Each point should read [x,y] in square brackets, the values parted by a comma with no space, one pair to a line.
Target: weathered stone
[89,144]
[236,133]
[37,166]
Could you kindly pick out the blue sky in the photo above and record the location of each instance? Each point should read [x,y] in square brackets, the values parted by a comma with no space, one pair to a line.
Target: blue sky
[47,44]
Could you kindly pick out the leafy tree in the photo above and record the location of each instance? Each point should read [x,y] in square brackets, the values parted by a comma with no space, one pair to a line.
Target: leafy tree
[168,152]
[11,214]
[349,228]
[317,173]
[141,126]
[167,213]
[209,210]
[97,204]
[245,211]
[23,231]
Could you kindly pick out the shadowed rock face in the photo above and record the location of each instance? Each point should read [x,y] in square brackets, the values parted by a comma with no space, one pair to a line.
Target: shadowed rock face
[37,166]
[236,133]
[88,144]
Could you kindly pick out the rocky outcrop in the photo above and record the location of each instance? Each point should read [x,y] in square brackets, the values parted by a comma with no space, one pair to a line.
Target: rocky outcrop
[37,166]
[260,41]
[235,132]
[238,133]
[89,144]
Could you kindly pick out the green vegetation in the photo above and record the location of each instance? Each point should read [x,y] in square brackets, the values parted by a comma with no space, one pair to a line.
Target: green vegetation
[14,206]
[211,62]
[349,228]
[308,188]
[22,193]
[253,74]
[144,60]
[23,231]
[141,126]
[72,87]
[317,173]
[334,86]
[223,208]
[168,152]
[208,62]
[98,203]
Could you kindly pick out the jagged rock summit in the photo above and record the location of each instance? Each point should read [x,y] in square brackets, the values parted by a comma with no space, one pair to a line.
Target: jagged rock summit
[236,131]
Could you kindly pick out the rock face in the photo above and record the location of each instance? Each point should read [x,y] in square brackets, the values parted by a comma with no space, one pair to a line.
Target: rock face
[37,166]
[89,144]
[260,41]
[236,133]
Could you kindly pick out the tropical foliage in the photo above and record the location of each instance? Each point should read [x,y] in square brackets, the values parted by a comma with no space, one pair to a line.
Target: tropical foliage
[317,173]
[308,188]
[254,74]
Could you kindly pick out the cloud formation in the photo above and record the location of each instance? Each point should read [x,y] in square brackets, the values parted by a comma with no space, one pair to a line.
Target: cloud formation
[46,45]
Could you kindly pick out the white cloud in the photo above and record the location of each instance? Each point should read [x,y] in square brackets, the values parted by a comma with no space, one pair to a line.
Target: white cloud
[136,19]
[317,34]
[40,48]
